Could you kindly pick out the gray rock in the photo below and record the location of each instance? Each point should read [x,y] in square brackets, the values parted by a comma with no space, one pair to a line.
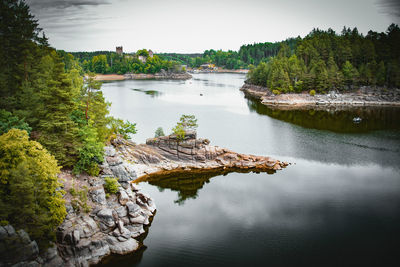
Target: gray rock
[122,197]
[24,237]
[125,247]
[109,151]
[106,217]
[98,195]
[10,230]
[121,211]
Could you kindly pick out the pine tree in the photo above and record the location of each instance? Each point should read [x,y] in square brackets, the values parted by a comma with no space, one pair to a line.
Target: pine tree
[56,130]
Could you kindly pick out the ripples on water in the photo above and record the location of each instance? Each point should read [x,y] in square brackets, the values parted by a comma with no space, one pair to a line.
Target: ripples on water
[338,205]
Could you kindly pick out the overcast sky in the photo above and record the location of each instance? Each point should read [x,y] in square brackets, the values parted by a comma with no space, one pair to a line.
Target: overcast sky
[189,26]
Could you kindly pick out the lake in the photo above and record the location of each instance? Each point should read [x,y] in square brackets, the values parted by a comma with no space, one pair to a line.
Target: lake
[338,204]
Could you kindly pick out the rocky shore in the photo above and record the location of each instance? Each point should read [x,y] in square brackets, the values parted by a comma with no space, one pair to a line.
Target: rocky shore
[162,75]
[362,97]
[99,224]
[169,154]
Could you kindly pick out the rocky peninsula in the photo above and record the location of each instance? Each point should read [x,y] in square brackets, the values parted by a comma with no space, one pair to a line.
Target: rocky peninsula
[361,97]
[100,224]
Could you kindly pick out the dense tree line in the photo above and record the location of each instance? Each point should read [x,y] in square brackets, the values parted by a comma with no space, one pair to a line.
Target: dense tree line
[111,62]
[247,55]
[325,60]
[50,117]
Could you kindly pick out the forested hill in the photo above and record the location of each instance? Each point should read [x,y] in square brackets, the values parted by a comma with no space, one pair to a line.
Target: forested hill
[251,54]
[325,60]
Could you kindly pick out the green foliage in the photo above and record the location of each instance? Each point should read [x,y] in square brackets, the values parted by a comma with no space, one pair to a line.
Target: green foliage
[189,122]
[8,121]
[179,131]
[118,126]
[56,130]
[79,199]
[276,92]
[159,132]
[111,62]
[91,153]
[312,92]
[111,185]
[324,60]
[29,195]
[186,123]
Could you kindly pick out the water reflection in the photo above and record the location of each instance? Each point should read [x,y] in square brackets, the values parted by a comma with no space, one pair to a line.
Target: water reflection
[188,184]
[152,93]
[339,120]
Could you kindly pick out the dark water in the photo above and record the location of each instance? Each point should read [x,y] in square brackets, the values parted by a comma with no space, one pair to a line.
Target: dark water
[337,205]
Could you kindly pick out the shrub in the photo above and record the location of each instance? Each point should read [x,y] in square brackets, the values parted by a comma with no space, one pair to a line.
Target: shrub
[179,131]
[29,194]
[189,122]
[91,153]
[276,92]
[118,126]
[111,185]
[312,93]
[159,132]
[79,199]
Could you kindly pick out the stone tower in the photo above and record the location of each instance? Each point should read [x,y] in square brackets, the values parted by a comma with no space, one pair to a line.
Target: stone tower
[119,50]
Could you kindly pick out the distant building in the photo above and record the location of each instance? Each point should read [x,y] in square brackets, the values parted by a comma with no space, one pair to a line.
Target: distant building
[142,58]
[207,66]
[119,50]
[150,53]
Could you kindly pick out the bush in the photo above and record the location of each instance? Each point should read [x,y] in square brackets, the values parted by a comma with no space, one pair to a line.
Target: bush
[276,92]
[179,131]
[312,93]
[159,132]
[118,126]
[91,153]
[29,194]
[111,185]
[79,199]
[189,122]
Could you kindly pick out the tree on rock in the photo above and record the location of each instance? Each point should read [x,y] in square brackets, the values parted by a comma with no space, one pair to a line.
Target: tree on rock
[29,197]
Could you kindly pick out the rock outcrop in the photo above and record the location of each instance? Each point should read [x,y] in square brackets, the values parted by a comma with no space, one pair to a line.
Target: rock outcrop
[112,225]
[364,96]
[169,154]
[17,249]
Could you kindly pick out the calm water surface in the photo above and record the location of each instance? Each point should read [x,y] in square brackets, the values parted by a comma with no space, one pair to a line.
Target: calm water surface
[337,205]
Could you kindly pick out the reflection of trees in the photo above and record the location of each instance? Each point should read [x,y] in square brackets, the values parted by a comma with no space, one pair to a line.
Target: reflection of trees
[187,183]
[336,120]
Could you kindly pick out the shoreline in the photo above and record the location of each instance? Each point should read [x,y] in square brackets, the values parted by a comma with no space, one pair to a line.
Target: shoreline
[240,71]
[143,76]
[362,97]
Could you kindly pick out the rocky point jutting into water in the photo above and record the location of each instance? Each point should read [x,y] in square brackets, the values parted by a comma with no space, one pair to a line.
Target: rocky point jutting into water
[102,224]
[364,96]
[169,154]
